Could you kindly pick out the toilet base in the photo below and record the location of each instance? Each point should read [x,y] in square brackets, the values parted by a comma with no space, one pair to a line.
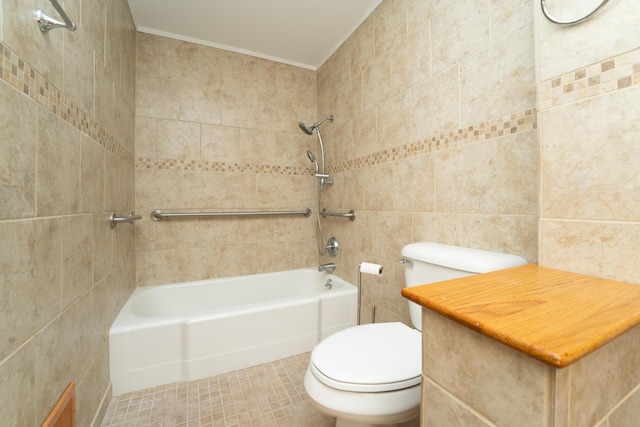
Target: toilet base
[363,409]
[341,422]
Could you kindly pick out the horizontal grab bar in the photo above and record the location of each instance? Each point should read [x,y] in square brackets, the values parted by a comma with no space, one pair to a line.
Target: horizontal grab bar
[351,214]
[115,220]
[157,214]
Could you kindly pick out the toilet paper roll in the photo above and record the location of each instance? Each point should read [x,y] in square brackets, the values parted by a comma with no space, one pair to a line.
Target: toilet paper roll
[368,268]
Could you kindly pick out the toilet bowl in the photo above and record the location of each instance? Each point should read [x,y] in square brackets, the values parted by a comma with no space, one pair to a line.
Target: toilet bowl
[367,375]
[370,375]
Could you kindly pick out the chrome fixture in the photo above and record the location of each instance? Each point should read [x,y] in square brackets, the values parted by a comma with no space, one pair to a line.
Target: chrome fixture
[115,220]
[547,14]
[157,214]
[47,23]
[309,131]
[330,267]
[351,214]
[408,262]
[322,178]
[333,246]
[329,284]
[313,160]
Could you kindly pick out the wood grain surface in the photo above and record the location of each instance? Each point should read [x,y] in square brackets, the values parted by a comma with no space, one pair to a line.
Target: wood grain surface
[554,316]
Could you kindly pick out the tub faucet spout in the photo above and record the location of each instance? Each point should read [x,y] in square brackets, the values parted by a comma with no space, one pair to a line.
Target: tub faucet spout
[330,267]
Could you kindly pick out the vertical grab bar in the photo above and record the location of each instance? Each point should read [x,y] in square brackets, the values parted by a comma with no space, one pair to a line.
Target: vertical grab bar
[47,23]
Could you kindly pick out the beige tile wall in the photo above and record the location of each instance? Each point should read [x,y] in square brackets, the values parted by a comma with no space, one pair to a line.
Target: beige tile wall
[589,134]
[434,138]
[215,131]
[66,162]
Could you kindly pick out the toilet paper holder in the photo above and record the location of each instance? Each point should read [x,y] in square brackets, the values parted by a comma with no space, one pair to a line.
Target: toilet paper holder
[367,268]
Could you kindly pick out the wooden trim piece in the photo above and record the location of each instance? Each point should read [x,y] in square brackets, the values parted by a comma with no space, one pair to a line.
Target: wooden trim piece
[64,413]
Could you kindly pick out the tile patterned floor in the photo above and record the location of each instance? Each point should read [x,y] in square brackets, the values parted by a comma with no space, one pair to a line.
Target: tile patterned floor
[266,395]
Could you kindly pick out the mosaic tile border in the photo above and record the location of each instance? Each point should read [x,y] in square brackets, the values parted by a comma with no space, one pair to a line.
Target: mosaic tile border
[514,123]
[613,74]
[18,73]
[523,121]
[208,166]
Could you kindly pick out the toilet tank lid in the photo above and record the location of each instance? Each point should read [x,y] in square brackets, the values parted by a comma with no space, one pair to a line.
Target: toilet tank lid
[459,258]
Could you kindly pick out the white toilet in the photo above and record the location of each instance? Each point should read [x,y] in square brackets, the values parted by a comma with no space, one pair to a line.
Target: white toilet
[369,375]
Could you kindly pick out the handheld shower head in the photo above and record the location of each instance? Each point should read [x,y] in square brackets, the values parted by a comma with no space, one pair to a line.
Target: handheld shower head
[313,159]
[309,129]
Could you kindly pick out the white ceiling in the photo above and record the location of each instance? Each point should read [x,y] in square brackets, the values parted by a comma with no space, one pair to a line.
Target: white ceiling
[298,32]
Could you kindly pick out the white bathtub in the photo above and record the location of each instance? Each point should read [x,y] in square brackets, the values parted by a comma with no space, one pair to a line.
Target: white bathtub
[199,329]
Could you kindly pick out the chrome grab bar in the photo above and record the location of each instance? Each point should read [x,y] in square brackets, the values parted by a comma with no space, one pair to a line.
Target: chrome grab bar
[157,214]
[547,14]
[47,23]
[115,220]
[351,214]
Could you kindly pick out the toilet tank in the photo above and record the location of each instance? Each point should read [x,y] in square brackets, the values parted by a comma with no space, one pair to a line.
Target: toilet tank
[435,262]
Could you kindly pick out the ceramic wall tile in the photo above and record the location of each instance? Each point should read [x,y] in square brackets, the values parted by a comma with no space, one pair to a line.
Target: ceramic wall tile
[93,18]
[508,16]
[53,374]
[411,59]
[443,408]
[414,184]
[58,174]
[92,178]
[177,139]
[607,387]
[610,33]
[600,249]
[588,158]
[157,98]
[390,21]
[42,51]
[512,234]
[500,79]
[378,187]
[459,32]
[31,263]
[17,154]
[517,173]
[17,389]
[465,179]
[78,70]
[435,105]
[67,90]
[438,227]
[91,389]
[464,362]
[77,257]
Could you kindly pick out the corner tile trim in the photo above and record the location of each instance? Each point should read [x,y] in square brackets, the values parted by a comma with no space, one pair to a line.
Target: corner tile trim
[18,73]
[612,74]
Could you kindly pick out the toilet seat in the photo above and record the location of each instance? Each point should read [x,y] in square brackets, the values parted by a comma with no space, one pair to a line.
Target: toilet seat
[378,357]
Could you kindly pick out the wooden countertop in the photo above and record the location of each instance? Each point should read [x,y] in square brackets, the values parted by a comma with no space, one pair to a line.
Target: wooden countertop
[554,316]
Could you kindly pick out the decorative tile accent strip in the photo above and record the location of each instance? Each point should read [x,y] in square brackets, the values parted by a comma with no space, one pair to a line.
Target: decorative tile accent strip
[523,121]
[607,76]
[19,74]
[204,165]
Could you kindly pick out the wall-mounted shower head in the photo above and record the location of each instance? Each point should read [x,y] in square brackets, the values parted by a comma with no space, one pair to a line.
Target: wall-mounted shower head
[309,129]
[306,128]
[313,159]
